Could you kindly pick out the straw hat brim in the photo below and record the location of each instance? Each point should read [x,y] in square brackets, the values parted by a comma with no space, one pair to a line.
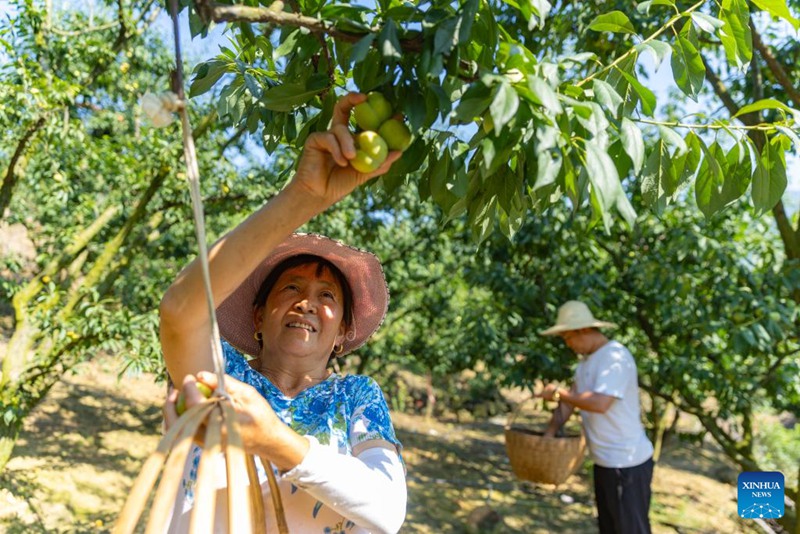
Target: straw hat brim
[559,328]
[362,270]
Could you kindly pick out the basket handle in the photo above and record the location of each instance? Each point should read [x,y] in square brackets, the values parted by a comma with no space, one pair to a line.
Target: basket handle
[518,408]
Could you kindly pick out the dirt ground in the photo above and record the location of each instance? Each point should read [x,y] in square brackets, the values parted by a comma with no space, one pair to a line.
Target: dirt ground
[80,452]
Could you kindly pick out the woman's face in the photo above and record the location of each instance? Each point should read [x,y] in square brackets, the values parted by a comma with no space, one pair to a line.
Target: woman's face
[303,313]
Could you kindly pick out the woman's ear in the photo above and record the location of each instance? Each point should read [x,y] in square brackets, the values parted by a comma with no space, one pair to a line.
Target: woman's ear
[258,317]
[341,334]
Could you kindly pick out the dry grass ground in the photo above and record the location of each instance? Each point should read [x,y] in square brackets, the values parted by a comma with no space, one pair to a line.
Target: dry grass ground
[82,449]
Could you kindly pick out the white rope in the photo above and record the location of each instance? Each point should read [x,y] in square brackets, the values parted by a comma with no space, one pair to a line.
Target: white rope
[193,177]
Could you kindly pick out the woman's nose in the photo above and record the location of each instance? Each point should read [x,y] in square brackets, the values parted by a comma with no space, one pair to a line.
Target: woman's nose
[305,305]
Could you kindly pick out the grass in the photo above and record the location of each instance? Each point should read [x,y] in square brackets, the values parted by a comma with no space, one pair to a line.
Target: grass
[80,452]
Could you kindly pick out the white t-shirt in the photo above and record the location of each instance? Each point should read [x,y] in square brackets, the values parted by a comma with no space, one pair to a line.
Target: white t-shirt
[616,438]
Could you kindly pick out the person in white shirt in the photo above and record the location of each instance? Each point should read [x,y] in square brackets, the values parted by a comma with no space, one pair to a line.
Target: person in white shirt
[606,390]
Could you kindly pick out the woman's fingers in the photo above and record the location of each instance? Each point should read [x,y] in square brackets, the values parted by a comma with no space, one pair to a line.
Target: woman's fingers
[328,142]
[386,165]
[190,391]
[170,414]
[344,138]
[209,379]
[341,111]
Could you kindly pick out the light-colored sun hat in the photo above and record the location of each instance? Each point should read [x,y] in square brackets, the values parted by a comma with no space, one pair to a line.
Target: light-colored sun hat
[574,315]
[362,270]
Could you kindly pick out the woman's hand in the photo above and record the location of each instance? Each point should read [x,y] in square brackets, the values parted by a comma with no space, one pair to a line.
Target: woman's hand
[324,171]
[262,432]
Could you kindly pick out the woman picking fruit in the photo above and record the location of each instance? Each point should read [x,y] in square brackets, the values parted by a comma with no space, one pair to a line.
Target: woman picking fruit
[293,302]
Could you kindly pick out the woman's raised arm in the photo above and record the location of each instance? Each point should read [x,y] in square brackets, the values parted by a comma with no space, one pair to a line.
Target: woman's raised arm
[324,176]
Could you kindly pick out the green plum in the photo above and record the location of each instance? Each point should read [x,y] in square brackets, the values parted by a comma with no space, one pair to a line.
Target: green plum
[180,404]
[396,134]
[488,123]
[371,152]
[373,112]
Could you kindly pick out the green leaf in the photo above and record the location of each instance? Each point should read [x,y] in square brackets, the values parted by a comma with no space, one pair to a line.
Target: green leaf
[735,34]
[644,7]
[206,75]
[673,139]
[546,95]
[468,11]
[790,134]
[504,106]
[685,167]
[288,96]
[646,96]
[769,179]
[603,176]
[388,41]
[369,74]
[606,96]
[656,174]
[737,175]
[625,209]
[687,67]
[196,24]
[252,85]
[339,11]
[780,9]
[488,152]
[633,142]
[709,181]
[473,103]
[540,8]
[707,23]
[547,169]
[509,190]
[439,182]
[361,48]
[614,22]
[288,45]
[768,103]
[445,38]
[659,50]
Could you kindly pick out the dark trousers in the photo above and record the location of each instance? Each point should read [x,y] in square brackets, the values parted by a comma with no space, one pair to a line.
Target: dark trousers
[623,498]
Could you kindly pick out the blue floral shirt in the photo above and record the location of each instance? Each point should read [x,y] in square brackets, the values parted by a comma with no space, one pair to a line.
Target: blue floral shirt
[340,412]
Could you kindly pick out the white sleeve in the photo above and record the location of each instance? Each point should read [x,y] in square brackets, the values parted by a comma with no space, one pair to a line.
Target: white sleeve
[368,489]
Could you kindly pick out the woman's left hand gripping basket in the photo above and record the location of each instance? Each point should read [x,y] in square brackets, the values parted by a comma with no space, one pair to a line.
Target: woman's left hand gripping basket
[245,505]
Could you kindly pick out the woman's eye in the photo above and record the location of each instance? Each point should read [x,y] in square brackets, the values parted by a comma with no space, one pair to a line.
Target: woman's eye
[291,287]
[328,295]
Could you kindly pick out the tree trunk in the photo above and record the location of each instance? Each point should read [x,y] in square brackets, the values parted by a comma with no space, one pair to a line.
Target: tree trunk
[658,416]
[8,438]
[431,400]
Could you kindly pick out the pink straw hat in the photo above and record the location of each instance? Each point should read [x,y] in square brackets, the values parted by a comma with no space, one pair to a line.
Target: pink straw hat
[362,270]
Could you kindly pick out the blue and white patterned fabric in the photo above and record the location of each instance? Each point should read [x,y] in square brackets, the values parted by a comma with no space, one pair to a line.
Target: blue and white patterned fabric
[340,412]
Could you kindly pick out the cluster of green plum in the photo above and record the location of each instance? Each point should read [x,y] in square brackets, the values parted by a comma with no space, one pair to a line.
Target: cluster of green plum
[379,133]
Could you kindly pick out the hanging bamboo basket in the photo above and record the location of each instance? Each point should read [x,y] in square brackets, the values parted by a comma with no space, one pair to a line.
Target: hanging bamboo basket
[540,459]
[245,505]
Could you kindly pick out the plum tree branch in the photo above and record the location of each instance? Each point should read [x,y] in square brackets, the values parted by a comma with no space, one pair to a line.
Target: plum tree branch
[789,235]
[212,11]
[776,68]
[764,126]
[10,179]
[670,23]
